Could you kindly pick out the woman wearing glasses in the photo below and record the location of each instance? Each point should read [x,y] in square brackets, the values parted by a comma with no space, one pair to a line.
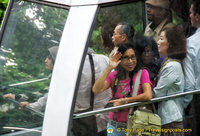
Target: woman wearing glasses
[125,64]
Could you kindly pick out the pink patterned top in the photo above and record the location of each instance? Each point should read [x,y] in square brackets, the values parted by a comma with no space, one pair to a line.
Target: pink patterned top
[122,90]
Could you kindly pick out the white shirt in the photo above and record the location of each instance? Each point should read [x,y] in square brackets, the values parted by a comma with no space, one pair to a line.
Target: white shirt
[40,104]
[83,96]
[191,66]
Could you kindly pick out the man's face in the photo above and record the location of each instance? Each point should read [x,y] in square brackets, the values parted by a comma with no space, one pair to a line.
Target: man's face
[117,38]
[154,13]
[193,17]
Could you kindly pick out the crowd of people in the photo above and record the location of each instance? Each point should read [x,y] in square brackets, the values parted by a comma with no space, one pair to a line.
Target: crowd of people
[169,64]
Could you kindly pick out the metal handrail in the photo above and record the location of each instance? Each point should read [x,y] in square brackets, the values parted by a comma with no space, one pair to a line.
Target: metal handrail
[90,113]
[40,114]
[3,88]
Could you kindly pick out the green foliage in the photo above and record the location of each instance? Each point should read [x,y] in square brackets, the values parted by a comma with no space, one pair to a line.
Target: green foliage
[3,6]
[176,19]
[129,13]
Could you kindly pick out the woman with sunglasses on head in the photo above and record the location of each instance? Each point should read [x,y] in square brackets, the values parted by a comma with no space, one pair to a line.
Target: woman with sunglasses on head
[125,64]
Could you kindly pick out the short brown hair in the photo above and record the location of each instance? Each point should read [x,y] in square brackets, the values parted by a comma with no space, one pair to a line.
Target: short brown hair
[196,7]
[177,42]
[106,34]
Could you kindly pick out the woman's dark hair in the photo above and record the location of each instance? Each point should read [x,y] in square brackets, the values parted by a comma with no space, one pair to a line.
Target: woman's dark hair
[121,74]
[196,7]
[106,34]
[177,42]
[143,42]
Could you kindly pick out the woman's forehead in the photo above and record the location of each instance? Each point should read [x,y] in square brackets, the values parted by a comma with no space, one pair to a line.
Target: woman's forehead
[148,47]
[129,51]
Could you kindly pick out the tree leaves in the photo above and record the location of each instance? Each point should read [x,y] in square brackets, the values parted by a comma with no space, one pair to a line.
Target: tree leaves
[3,6]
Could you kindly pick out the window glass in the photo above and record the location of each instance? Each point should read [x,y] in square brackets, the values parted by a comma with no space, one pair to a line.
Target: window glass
[27,54]
[107,16]
[131,13]
[147,49]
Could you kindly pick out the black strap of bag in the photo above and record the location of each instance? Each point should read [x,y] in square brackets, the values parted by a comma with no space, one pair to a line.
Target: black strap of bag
[87,126]
[94,127]
[93,79]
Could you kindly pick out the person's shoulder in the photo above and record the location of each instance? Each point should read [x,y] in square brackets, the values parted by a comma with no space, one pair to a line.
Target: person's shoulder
[144,71]
[193,43]
[195,36]
[112,75]
[169,25]
[114,72]
[100,58]
[173,65]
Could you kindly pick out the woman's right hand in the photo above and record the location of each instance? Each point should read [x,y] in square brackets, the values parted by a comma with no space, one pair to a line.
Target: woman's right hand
[101,84]
[115,60]
[10,95]
[23,104]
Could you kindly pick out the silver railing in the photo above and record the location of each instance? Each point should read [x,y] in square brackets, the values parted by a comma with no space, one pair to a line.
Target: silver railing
[90,113]
[40,114]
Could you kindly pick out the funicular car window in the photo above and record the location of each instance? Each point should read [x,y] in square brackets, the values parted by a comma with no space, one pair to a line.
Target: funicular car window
[26,63]
[108,17]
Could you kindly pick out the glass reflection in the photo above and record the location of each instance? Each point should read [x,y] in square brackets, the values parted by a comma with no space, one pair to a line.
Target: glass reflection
[31,30]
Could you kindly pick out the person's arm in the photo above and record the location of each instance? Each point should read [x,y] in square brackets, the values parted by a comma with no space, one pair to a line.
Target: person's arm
[189,78]
[28,96]
[101,84]
[38,105]
[168,76]
[145,96]
[23,104]
[17,97]
[10,95]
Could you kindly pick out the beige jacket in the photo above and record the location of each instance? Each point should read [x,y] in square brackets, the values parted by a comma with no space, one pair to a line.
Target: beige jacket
[155,33]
